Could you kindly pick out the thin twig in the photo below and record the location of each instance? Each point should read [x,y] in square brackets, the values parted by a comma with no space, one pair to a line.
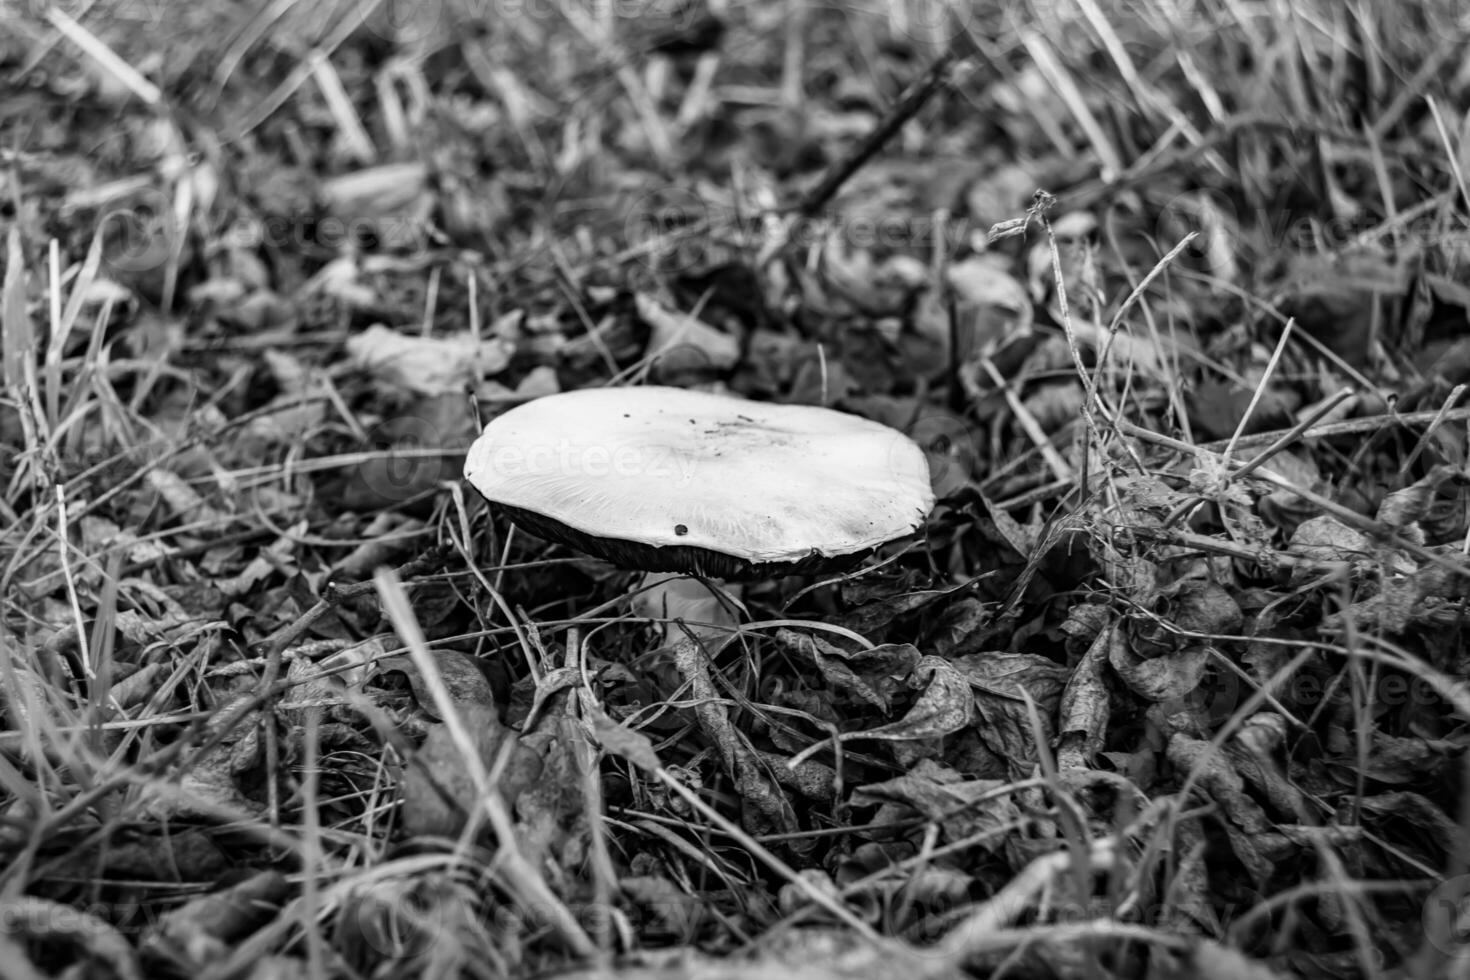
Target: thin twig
[907,106]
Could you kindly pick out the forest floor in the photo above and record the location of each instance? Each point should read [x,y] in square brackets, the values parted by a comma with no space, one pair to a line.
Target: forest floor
[1172,681]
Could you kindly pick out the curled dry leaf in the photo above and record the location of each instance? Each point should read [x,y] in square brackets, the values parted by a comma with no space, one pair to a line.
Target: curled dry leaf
[341,280]
[1189,606]
[1162,657]
[1285,508]
[1253,751]
[992,307]
[622,741]
[963,808]
[324,683]
[683,344]
[1438,835]
[1216,779]
[1002,684]
[872,617]
[428,365]
[875,676]
[210,787]
[1404,509]
[437,789]
[466,682]
[139,686]
[538,382]
[1082,718]
[957,623]
[278,557]
[945,706]
[1390,609]
[1326,541]
[551,808]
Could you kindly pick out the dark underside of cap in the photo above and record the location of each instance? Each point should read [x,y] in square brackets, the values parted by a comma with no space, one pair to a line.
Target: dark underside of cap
[675,558]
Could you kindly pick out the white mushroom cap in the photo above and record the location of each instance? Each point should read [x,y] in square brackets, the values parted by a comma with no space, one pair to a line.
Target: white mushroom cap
[666,479]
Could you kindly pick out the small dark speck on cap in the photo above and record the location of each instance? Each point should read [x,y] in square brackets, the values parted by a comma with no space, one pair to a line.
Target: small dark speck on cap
[681,529]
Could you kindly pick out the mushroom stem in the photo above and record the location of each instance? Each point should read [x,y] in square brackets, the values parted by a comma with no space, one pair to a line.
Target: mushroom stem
[705,608]
[700,617]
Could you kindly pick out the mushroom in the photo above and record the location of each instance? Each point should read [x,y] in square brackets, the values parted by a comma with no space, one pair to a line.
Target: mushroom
[669,480]
[672,480]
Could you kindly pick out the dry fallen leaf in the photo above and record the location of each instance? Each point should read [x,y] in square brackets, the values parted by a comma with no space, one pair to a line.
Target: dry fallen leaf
[428,365]
[682,344]
[1325,540]
[946,706]
[462,677]
[961,807]
[438,765]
